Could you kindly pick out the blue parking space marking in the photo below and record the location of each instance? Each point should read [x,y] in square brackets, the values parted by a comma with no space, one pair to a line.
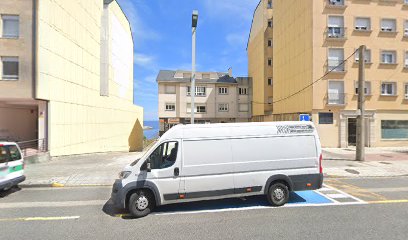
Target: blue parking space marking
[302,197]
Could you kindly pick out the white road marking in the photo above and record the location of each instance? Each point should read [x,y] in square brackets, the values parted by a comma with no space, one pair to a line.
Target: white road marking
[336,195]
[39,219]
[258,207]
[52,204]
[357,199]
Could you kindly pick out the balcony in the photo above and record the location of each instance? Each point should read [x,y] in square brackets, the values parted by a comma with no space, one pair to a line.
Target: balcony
[336,33]
[336,66]
[334,99]
[340,4]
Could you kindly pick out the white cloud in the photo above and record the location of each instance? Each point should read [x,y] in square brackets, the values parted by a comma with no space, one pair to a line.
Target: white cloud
[143,60]
[239,9]
[141,32]
[236,40]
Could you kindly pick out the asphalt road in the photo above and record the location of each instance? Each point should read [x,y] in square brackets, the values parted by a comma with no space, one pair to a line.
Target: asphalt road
[85,213]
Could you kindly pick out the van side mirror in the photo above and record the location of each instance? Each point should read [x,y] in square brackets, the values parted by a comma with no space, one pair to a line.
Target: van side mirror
[148,167]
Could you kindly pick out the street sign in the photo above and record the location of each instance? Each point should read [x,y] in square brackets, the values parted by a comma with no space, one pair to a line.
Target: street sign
[304,117]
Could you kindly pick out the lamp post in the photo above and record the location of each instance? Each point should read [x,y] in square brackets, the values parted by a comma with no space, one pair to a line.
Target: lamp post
[192,91]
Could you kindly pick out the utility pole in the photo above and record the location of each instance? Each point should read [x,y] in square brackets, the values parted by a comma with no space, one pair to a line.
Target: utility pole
[193,62]
[361,110]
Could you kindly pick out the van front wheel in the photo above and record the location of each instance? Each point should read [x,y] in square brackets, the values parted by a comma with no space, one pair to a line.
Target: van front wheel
[141,204]
[278,194]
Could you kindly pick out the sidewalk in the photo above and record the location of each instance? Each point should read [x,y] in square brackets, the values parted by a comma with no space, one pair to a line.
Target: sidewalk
[103,168]
[379,162]
[78,170]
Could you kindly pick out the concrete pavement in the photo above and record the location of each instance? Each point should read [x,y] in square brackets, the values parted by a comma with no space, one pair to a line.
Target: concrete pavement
[103,169]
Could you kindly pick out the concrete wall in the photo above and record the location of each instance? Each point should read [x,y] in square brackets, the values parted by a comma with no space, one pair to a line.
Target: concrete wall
[18,123]
[80,119]
[292,54]
[21,48]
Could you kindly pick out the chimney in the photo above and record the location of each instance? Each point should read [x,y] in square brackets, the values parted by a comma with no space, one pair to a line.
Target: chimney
[230,72]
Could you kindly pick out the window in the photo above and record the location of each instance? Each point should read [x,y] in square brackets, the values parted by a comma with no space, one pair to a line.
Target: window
[243,107]
[269,61]
[406,91]
[367,88]
[186,75]
[388,89]
[200,91]
[170,107]
[336,2]
[406,60]
[11,27]
[406,2]
[388,57]
[10,68]
[9,153]
[388,25]
[270,100]
[362,24]
[223,107]
[270,23]
[199,108]
[243,91]
[325,118]
[406,28]
[335,93]
[269,42]
[394,129]
[335,60]
[170,89]
[223,90]
[270,82]
[367,56]
[335,28]
[269,4]
[164,156]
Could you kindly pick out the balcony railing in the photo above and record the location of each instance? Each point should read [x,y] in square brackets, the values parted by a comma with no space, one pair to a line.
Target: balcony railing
[336,98]
[336,33]
[33,147]
[337,66]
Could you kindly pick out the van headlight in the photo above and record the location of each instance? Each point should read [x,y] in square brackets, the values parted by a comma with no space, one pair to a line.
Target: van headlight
[124,174]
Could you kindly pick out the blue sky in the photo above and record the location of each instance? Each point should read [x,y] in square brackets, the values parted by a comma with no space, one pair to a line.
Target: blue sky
[162,40]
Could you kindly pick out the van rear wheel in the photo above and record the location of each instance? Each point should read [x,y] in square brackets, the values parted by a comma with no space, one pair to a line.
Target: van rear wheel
[141,203]
[278,194]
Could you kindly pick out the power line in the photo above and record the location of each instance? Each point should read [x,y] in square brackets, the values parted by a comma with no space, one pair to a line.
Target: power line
[311,84]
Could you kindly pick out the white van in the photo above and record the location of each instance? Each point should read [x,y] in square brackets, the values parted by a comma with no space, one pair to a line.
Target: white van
[212,161]
[11,165]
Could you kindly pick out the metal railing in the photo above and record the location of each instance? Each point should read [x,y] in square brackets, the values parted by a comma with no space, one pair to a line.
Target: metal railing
[33,147]
[336,98]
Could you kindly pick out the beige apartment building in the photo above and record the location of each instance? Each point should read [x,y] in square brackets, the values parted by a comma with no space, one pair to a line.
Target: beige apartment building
[311,40]
[66,76]
[219,98]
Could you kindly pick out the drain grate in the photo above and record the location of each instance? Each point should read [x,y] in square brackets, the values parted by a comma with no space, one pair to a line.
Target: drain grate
[352,171]
[387,163]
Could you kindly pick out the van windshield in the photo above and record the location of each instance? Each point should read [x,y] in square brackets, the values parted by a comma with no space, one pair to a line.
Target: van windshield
[9,153]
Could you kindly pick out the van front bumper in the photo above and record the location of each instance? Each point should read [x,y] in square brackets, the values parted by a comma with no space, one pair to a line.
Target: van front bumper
[117,195]
[12,182]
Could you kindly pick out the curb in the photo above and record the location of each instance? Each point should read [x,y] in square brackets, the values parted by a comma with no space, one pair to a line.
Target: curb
[59,185]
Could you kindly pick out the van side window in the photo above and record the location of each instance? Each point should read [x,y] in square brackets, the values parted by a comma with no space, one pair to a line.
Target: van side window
[14,153]
[9,153]
[164,156]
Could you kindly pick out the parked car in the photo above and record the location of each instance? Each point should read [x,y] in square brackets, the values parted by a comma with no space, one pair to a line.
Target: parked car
[213,161]
[11,165]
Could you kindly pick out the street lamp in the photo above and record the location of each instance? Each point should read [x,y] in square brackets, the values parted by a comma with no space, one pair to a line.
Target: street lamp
[194,22]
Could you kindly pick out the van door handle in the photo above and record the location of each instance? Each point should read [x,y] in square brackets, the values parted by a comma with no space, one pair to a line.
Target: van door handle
[176,171]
